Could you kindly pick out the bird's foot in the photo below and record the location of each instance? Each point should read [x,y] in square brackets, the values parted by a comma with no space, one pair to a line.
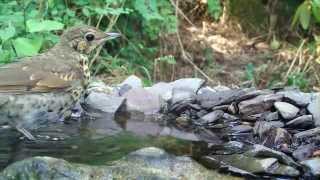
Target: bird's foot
[26,133]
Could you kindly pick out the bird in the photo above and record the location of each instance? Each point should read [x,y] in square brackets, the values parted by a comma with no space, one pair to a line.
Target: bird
[44,87]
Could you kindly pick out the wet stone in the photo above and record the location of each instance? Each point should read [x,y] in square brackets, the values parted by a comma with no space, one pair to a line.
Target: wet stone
[286,110]
[146,163]
[313,165]
[230,147]
[257,165]
[262,151]
[261,127]
[304,121]
[313,108]
[241,129]
[277,137]
[258,104]
[215,163]
[303,152]
[230,117]
[232,108]
[273,116]
[222,107]
[211,117]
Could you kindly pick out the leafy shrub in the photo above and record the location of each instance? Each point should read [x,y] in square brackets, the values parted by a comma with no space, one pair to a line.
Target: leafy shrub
[30,26]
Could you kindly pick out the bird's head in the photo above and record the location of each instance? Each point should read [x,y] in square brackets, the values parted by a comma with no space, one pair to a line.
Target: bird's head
[85,39]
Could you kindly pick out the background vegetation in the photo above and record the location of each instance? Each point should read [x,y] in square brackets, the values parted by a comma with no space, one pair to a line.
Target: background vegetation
[154,40]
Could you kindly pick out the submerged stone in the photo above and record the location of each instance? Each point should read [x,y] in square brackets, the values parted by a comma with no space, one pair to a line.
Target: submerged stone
[146,163]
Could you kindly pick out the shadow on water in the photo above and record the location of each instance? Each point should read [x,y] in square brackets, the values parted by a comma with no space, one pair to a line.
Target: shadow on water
[94,141]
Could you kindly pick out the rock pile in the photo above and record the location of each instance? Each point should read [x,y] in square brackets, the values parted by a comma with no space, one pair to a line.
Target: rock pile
[276,130]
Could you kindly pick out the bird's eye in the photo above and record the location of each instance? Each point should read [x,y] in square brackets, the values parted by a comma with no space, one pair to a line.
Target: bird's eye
[89,36]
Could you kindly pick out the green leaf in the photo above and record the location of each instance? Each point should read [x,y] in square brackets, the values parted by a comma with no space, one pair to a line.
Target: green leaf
[305,15]
[250,72]
[148,9]
[7,33]
[45,25]
[27,47]
[316,2]
[214,8]
[86,12]
[316,11]
[5,56]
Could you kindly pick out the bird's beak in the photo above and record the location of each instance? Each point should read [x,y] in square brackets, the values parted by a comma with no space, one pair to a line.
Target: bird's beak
[111,35]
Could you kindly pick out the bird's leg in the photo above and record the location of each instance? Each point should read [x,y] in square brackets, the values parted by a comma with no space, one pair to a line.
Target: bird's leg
[26,133]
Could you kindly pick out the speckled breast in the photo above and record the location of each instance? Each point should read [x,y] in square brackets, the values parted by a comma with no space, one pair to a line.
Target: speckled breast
[32,110]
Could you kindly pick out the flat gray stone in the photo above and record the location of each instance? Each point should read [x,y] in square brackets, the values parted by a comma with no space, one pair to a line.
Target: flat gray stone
[308,133]
[133,81]
[254,93]
[141,100]
[211,117]
[161,89]
[241,129]
[258,104]
[273,116]
[188,84]
[296,97]
[209,99]
[98,103]
[301,122]
[314,109]
[287,111]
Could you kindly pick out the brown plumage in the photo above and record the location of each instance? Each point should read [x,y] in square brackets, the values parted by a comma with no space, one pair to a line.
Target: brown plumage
[46,86]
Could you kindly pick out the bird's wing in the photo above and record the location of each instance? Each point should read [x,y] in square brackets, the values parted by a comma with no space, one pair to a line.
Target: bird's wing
[30,76]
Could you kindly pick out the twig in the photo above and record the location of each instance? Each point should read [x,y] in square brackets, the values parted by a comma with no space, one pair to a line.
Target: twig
[295,59]
[184,55]
[112,22]
[181,13]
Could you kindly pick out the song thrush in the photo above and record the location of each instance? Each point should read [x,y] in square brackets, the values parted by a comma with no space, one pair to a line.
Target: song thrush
[46,86]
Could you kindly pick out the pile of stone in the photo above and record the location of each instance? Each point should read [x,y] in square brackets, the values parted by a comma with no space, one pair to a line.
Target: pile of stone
[276,130]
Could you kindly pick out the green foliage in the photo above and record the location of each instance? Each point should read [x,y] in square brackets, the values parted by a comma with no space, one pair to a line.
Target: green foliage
[214,8]
[298,80]
[31,26]
[250,72]
[309,10]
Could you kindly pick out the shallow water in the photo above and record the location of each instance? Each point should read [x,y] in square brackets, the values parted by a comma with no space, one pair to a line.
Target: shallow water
[95,141]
